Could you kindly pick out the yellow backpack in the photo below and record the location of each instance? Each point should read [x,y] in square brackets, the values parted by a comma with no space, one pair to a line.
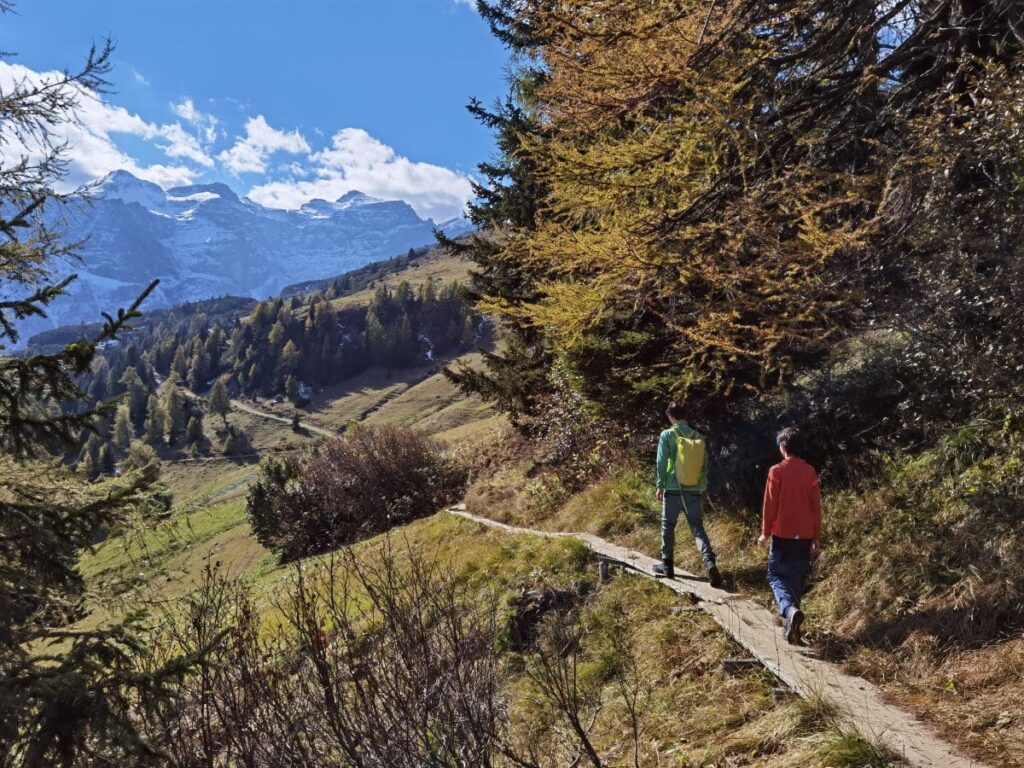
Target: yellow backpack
[689,458]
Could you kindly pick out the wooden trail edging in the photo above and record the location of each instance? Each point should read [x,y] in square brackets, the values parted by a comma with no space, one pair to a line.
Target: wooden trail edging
[858,703]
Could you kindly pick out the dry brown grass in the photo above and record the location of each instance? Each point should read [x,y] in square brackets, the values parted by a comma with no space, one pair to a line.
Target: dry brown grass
[896,599]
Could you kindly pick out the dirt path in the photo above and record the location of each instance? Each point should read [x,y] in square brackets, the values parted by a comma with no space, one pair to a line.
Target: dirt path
[238,405]
[858,703]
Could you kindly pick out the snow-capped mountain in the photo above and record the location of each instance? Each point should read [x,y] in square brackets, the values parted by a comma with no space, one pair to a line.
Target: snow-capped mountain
[457,227]
[204,241]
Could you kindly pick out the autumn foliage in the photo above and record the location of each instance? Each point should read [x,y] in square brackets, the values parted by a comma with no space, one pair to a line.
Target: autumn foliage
[726,190]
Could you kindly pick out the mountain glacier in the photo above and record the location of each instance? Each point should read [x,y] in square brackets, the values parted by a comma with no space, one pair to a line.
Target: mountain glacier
[204,241]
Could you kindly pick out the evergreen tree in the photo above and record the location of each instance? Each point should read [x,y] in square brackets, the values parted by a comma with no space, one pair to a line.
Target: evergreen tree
[123,430]
[89,465]
[199,369]
[176,415]
[181,363]
[156,421]
[290,357]
[218,401]
[139,456]
[237,442]
[468,335]
[98,390]
[137,396]
[65,699]
[105,462]
[194,431]
[214,348]
[88,459]
[508,198]
[291,388]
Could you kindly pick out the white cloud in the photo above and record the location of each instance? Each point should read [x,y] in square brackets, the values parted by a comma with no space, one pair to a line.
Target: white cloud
[185,145]
[205,122]
[250,153]
[357,161]
[186,110]
[91,152]
[139,77]
[353,160]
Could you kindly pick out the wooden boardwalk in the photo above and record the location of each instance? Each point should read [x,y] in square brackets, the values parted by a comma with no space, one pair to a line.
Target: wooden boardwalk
[858,703]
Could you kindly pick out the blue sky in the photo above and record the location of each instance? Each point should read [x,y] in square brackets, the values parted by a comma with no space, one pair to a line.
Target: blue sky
[282,101]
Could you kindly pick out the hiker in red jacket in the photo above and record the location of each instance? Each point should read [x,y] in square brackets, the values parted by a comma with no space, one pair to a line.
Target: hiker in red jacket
[791,520]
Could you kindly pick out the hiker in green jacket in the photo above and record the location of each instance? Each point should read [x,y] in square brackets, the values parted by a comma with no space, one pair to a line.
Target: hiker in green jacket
[682,481]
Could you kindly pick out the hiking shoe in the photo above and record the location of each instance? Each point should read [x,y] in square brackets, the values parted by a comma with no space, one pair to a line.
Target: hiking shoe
[715,577]
[664,571]
[791,625]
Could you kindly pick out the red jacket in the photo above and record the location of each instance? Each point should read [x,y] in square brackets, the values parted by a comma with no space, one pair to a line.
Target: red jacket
[792,501]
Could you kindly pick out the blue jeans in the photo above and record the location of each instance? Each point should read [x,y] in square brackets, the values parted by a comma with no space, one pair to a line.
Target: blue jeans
[690,503]
[789,562]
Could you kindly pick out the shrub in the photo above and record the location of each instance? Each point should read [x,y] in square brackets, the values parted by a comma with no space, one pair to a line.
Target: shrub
[369,482]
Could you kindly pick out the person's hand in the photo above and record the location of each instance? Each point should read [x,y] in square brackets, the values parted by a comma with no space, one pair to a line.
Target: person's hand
[762,540]
[660,494]
[816,546]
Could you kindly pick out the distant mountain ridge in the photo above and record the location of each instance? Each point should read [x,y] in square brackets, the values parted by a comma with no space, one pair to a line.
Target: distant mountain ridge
[203,240]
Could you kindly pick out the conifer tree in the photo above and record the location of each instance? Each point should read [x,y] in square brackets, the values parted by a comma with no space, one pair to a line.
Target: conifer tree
[65,699]
[123,430]
[468,335]
[156,421]
[772,179]
[139,456]
[89,465]
[88,459]
[218,401]
[137,396]
[180,363]
[291,388]
[176,415]
[214,348]
[508,198]
[290,357]
[105,461]
[194,432]
[198,369]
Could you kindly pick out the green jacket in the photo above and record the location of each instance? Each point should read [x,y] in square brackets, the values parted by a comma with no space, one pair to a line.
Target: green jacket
[666,462]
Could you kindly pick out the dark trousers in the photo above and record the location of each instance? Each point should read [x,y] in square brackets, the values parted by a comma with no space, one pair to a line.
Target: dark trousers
[789,562]
[690,504]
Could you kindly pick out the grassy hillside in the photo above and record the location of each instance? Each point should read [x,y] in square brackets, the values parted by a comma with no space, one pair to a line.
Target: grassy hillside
[648,668]
[156,562]
[436,265]
[917,588]
[692,714]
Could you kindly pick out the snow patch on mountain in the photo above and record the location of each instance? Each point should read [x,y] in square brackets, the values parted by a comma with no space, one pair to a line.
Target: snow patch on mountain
[203,241]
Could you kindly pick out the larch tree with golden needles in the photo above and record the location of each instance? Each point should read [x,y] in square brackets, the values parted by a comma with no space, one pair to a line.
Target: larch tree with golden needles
[729,188]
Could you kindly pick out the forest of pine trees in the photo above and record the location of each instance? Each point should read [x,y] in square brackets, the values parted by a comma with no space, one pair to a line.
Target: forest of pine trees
[174,370]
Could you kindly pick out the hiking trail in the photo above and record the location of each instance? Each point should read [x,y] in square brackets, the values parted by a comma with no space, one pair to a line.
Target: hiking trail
[858,703]
[238,405]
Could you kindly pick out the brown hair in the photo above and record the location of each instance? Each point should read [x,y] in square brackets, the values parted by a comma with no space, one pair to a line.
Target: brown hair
[675,411]
[793,439]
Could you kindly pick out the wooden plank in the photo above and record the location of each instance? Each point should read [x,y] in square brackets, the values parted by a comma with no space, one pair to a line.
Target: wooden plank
[858,703]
